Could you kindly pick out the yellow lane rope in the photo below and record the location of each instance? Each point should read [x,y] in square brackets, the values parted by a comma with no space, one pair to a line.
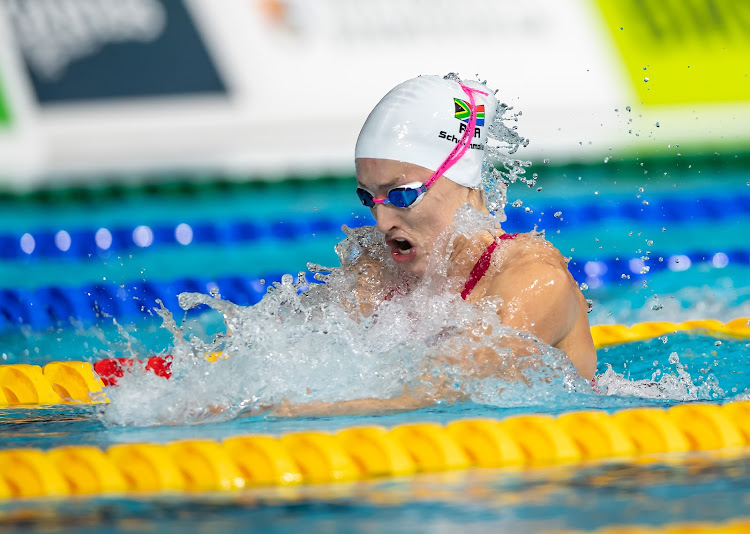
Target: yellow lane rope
[76,382]
[735,526]
[362,453]
[605,335]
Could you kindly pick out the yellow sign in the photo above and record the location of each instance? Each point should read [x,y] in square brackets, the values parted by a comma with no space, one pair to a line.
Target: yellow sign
[683,51]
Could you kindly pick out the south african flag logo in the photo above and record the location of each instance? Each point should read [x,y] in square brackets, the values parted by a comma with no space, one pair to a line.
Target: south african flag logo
[463,111]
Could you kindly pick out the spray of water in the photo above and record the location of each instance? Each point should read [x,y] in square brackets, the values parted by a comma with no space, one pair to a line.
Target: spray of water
[358,335]
[365,332]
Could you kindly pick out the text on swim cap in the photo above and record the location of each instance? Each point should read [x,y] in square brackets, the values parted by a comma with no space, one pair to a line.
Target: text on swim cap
[454,139]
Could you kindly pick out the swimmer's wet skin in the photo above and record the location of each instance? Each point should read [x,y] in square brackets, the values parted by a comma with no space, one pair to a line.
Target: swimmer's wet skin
[418,160]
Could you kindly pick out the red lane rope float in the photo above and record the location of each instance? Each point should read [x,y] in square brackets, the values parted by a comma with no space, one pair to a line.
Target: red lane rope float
[110,369]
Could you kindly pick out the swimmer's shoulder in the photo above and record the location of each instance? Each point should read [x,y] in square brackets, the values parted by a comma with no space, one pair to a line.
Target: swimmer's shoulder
[524,251]
[529,268]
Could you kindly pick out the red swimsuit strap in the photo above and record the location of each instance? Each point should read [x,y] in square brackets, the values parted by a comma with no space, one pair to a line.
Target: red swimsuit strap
[482,265]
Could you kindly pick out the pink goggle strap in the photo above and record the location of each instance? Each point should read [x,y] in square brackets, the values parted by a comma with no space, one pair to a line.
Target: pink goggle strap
[463,144]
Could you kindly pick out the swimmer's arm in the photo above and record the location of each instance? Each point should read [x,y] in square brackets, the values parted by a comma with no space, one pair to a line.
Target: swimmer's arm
[403,403]
[541,298]
[368,287]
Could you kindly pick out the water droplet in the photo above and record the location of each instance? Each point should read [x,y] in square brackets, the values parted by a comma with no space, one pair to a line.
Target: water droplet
[584,286]
[718,343]
[674,358]
[627,108]
[589,305]
[645,79]
[606,159]
[657,124]
[558,213]
[546,160]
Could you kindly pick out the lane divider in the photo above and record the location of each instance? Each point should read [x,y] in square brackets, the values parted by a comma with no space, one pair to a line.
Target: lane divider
[56,383]
[53,306]
[606,335]
[739,525]
[361,453]
[82,382]
[87,242]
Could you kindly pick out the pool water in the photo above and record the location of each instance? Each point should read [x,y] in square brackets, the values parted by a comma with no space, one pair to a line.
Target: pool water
[238,238]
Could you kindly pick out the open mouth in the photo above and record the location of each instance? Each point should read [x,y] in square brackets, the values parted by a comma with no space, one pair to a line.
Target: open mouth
[402,246]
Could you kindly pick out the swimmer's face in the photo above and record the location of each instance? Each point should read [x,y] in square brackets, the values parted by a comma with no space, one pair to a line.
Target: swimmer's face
[410,233]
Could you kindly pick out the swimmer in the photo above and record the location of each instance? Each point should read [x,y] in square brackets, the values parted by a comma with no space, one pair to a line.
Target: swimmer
[418,160]
[414,177]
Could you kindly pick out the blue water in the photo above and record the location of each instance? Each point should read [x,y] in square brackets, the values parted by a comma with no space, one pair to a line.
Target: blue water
[482,500]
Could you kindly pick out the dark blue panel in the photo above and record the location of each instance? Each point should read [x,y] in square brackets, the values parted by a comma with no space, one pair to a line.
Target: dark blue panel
[83,50]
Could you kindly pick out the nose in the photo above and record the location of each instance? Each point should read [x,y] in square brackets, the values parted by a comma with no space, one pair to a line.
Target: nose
[386,217]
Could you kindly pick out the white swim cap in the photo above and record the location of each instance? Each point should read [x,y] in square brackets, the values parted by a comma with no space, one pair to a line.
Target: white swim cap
[421,120]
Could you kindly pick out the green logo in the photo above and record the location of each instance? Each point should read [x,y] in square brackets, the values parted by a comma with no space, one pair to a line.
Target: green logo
[4,108]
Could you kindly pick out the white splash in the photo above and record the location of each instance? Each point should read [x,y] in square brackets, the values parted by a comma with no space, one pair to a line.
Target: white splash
[356,336]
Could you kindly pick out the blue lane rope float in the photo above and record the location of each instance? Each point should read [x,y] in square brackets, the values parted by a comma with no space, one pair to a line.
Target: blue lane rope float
[89,242]
[54,306]
[85,242]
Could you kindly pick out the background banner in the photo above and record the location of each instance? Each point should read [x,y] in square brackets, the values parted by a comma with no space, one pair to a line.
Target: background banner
[274,88]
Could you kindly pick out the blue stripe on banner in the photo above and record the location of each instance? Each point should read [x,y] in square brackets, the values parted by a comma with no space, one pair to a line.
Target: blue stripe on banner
[55,306]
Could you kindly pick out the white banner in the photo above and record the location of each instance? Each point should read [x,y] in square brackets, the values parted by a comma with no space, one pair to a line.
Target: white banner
[273,88]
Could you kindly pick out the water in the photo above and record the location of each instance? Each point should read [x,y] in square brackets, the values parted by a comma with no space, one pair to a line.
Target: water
[283,351]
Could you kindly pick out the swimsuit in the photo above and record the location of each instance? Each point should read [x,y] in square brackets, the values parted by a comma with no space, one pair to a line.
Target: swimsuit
[481,266]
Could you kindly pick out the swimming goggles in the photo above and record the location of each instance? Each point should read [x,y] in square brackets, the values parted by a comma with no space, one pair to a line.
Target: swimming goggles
[408,195]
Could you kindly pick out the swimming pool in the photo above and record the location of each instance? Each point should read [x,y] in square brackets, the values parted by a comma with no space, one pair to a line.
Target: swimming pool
[152,243]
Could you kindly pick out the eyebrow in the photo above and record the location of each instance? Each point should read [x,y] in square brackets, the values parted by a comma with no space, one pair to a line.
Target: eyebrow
[390,184]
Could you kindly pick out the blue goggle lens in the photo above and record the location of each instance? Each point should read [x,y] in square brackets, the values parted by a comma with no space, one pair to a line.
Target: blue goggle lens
[365,197]
[400,197]
[403,198]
